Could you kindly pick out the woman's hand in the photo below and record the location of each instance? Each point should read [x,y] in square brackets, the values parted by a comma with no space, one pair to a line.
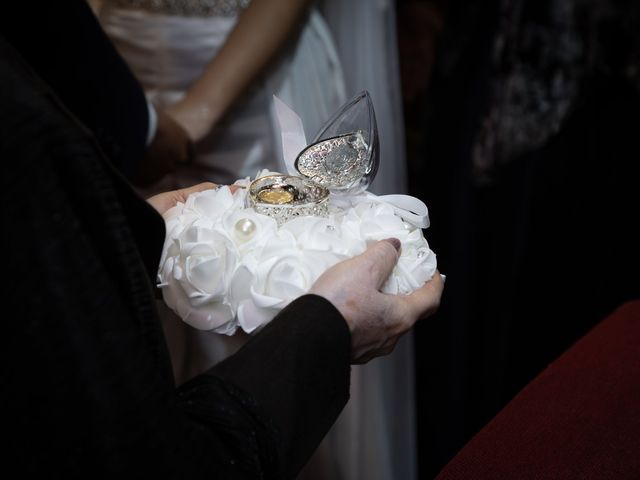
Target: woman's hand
[263,29]
[195,117]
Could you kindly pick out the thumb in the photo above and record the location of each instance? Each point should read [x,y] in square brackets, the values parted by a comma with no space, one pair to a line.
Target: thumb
[382,257]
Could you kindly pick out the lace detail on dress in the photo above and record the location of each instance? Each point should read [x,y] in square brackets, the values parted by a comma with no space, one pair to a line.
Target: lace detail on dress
[191,8]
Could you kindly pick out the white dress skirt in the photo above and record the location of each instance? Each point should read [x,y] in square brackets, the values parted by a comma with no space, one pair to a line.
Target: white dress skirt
[374,437]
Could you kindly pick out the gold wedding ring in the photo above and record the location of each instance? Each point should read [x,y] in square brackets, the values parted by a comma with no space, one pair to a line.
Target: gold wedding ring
[284,197]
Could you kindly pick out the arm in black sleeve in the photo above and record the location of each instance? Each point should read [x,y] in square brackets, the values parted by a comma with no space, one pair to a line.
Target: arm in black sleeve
[65,45]
[307,350]
[87,385]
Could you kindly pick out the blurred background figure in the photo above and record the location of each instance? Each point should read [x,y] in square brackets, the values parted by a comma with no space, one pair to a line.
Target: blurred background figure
[524,144]
[213,67]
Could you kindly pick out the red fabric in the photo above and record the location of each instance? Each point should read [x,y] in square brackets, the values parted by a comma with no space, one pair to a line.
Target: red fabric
[579,419]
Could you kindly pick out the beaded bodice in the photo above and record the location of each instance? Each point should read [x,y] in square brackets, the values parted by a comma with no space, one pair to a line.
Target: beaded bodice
[201,8]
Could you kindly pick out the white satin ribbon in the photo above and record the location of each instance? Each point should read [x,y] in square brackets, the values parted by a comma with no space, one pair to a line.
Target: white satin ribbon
[292,132]
[411,209]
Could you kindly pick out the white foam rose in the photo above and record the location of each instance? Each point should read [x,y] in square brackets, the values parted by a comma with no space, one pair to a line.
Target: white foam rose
[416,265]
[325,234]
[374,221]
[176,220]
[271,277]
[377,221]
[196,274]
[205,206]
[215,202]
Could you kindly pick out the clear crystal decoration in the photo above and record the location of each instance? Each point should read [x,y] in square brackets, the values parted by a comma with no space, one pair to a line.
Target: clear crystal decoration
[343,159]
[344,155]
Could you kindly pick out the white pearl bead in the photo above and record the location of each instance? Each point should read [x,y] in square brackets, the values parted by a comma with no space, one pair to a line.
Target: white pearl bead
[245,228]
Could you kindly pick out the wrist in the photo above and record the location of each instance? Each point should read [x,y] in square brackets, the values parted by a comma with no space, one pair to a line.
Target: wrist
[336,302]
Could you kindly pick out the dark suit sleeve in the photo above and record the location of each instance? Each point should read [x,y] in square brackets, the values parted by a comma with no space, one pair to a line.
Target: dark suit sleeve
[86,377]
[294,378]
[65,45]
[306,352]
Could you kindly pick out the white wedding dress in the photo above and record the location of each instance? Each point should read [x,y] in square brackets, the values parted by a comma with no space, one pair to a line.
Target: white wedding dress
[168,44]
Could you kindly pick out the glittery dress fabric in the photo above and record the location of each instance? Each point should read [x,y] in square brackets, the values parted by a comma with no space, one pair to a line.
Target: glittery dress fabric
[196,8]
[87,382]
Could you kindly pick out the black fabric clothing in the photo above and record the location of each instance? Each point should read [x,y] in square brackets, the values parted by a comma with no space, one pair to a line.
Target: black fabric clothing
[539,238]
[87,383]
[66,46]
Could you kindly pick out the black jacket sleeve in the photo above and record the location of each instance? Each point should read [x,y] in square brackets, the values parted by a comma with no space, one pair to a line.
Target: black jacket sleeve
[65,45]
[86,377]
[306,348]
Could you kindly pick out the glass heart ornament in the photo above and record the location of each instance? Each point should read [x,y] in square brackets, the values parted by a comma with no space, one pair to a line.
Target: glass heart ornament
[342,160]
[344,155]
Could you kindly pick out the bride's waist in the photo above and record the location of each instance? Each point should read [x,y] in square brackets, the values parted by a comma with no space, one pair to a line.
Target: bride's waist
[169,49]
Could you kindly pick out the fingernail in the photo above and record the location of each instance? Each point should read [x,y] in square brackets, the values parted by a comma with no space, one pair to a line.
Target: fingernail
[444,277]
[395,242]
